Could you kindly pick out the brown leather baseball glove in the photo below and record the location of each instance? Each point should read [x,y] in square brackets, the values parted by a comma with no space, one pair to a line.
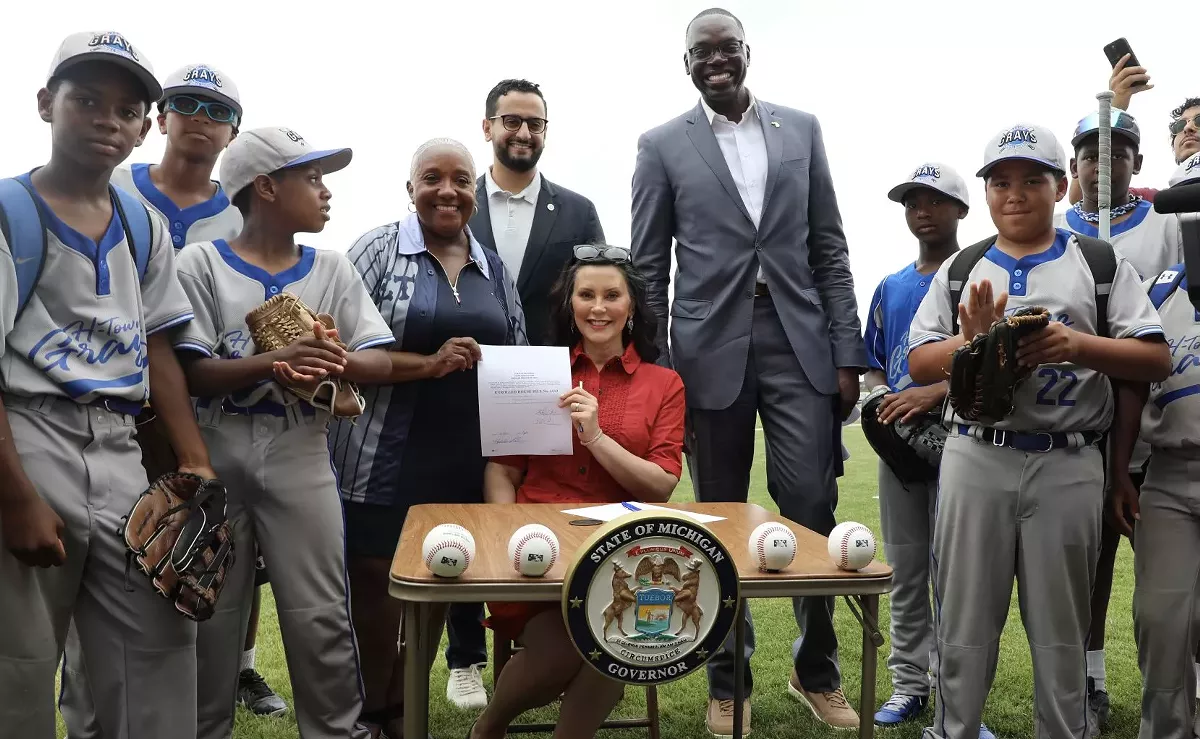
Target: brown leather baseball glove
[285,319]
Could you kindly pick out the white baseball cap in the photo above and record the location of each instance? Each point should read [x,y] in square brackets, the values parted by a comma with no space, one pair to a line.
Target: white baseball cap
[1026,141]
[268,150]
[105,46]
[933,176]
[1188,171]
[206,80]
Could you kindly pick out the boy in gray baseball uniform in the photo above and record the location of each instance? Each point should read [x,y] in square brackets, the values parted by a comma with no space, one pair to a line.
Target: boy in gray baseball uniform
[1166,514]
[1023,499]
[199,114]
[272,447]
[1152,242]
[935,199]
[83,345]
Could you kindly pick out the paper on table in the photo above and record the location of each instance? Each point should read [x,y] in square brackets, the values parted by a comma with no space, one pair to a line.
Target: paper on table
[519,387]
[616,510]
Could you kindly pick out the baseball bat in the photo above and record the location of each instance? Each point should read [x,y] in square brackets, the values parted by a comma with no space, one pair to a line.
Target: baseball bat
[1105,183]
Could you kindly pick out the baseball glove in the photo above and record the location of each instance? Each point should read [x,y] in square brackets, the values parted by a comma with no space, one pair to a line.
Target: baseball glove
[178,535]
[283,320]
[984,374]
[912,450]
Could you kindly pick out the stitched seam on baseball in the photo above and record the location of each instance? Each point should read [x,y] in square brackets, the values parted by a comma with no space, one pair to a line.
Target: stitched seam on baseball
[846,536]
[453,545]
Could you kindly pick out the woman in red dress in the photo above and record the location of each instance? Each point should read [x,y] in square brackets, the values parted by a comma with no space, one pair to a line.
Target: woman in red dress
[628,414]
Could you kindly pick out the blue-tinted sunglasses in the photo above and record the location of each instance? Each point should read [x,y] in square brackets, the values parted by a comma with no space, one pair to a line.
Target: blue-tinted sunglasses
[1119,122]
[187,105]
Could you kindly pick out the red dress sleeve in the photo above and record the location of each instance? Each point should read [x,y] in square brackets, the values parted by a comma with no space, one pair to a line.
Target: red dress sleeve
[666,435]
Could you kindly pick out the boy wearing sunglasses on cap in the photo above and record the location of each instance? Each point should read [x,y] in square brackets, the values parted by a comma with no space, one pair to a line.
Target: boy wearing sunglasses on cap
[269,443]
[89,292]
[1152,242]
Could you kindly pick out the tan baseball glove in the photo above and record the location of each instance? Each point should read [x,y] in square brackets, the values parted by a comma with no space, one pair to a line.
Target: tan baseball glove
[285,319]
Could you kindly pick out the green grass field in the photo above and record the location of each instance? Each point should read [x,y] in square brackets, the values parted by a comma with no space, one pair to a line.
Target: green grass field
[775,713]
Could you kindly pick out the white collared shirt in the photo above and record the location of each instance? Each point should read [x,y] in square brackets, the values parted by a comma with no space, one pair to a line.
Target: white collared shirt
[745,150]
[512,218]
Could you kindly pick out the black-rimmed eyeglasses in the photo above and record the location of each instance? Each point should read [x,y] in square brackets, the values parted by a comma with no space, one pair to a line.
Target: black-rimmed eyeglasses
[704,52]
[588,252]
[513,123]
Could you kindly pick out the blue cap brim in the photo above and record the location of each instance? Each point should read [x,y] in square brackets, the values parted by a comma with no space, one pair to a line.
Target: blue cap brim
[1048,165]
[331,160]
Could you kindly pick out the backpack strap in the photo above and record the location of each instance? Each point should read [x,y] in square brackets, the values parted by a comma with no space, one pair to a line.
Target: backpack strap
[1166,283]
[960,272]
[24,231]
[138,230]
[1101,259]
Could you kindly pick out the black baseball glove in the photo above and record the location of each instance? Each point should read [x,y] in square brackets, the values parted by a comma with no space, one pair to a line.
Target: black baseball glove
[912,450]
[984,374]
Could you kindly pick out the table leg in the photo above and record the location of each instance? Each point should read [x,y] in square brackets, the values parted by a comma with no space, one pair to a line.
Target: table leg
[416,671]
[870,660]
[739,669]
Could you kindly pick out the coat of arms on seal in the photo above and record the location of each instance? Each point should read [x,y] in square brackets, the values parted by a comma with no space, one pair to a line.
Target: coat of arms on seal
[650,598]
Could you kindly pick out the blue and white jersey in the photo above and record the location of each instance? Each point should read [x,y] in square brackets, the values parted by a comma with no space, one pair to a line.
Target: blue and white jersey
[223,288]
[1057,397]
[83,333]
[213,220]
[892,309]
[1150,240]
[1171,418]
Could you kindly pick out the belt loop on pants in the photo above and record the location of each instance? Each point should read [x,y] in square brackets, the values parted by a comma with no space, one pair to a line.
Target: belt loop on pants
[1038,442]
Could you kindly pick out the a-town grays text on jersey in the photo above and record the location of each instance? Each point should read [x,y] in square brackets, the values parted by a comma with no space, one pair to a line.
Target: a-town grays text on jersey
[1057,397]
[214,219]
[1171,418]
[892,309]
[1150,240]
[83,333]
[223,288]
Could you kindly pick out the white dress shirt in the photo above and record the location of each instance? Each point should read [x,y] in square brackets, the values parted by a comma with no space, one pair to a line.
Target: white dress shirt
[512,218]
[745,150]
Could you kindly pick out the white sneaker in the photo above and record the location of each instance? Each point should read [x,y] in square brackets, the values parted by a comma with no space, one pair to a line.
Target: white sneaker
[465,688]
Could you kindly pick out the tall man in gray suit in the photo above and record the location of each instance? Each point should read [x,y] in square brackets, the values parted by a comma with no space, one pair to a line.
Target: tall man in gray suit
[764,319]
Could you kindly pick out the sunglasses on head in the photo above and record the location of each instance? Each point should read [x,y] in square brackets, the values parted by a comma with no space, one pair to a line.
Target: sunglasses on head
[1179,124]
[589,252]
[187,105]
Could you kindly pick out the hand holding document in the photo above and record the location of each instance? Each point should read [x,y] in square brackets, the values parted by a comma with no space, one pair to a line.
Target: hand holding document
[519,387]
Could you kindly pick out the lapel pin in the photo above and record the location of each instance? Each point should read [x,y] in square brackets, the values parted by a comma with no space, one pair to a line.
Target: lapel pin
[549,206]
[775,124]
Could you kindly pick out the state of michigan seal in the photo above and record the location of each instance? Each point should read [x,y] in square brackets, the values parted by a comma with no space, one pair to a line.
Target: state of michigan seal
[650,597]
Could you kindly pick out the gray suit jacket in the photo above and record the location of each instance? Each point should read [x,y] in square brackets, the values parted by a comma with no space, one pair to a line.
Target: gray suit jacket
[682,190]
[563,219]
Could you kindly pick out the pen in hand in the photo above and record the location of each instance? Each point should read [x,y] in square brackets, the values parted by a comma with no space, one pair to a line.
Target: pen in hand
[580,425]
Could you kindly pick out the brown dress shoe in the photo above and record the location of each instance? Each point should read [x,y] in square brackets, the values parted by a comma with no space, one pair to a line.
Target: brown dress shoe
[720,717]
[829,707]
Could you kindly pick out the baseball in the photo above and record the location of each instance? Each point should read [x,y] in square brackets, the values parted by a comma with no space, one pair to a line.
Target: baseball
[448,550]
[851,546]
[533,550]
[773,546]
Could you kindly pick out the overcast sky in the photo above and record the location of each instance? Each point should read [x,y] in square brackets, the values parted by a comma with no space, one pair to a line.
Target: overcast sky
[930,81]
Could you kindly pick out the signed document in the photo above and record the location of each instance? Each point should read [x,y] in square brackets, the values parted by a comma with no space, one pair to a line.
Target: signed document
[519,387]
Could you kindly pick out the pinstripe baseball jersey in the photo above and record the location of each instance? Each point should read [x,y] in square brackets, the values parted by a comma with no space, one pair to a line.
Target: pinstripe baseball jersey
[1151,241]
[83,333]
[892,309]
[215,218]
[223,288]
[1057,397]
[1169,418]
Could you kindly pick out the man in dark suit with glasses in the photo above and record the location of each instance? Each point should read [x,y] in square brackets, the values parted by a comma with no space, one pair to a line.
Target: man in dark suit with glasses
[534,225]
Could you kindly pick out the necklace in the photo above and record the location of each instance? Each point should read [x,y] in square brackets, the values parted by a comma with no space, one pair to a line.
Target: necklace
[1113,213]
